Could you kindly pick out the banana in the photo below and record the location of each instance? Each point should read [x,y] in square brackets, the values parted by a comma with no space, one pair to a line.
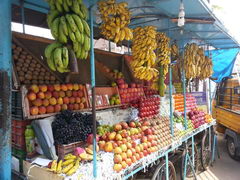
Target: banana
[78,36]
[50,62]
[84,11]
[51,16]
[86,27]
[58,57]
[69,3]
[59,7]
[59,167]
[78,22]
[64,25]
[71,34]
[71,22]
[83,36]
[67,168]
[62,69]
[59,1]
[67,162]
[54,27]
[74,168]
[65,56]
[65,6]
[50,48]
[69,156]
[61,36]
[76,46]
[76,7]
[54,166]
[86,44]
[79,53]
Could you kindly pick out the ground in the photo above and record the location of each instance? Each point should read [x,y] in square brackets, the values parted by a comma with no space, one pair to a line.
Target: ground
[224,168]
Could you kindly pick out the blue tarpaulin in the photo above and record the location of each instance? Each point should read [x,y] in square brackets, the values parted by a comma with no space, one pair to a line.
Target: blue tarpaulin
[223,62]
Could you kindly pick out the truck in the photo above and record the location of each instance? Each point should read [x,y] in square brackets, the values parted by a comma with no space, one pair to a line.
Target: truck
[226,111]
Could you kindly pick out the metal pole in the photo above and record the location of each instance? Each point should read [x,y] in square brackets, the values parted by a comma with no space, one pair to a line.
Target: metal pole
[167,170]
[184,91]
[193,158]
[92,62]
[109,45]
[170,98]
[23,16]
[5,89]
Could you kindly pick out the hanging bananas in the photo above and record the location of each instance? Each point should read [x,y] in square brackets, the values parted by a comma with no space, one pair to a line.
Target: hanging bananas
[67,20]
[196,64]
[57,57]
[115,17]
[174,51]
[144,58]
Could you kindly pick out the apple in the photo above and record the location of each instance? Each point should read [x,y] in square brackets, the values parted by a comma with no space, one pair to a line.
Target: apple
[117,150]
[123,147]
[101,144]
[129,153]
[108,147]
[118,137]
[124,125]
[117,127]
[129,161]
[112,136]
[117,158]
[117,167]
[132,124]
[124,156]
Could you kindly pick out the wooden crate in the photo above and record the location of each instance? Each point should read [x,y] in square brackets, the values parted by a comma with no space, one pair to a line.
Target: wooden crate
[16,81]
[26,105]
[62,150]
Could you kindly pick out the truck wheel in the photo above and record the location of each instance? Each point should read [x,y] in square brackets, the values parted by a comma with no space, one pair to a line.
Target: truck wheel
[231,148]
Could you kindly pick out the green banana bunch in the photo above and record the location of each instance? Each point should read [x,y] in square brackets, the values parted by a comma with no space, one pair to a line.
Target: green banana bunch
[67,20]
[57,57]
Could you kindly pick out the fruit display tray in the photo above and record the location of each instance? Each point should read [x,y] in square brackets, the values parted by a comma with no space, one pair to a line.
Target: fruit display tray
[64,149]
[16,76]
[26,105]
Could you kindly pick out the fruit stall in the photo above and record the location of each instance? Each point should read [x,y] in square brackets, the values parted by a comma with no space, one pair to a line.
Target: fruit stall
[133,115]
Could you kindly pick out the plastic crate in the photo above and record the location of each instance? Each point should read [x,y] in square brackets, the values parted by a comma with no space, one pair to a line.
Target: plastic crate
[18,141]
[62,150]
[17,110]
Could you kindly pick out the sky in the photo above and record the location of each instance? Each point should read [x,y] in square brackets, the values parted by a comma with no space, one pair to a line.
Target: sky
[229,12]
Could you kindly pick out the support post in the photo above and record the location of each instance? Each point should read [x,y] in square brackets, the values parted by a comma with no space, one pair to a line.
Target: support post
[93,84]
[167,170]
[184,95]
[5,89]
[193,151]
[23,16]
[210,95]
[170,98]
[109,45]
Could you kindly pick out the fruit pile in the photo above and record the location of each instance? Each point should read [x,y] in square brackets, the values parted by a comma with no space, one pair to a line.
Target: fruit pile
[45,99]
[149,92]
[122,143]
[148,107]
[197,117]
[29,70]
[115,74]
[208,118]
[115,17]
[103,129]
[196,64]
[69,127]
[179,102]
[144,57]
[161,129]
[57,57]
[67,22]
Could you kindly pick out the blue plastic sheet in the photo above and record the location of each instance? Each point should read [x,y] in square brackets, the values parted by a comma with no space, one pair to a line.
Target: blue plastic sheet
[223,62]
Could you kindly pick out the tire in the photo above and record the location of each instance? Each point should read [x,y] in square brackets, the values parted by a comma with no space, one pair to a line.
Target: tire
[196,161]
[160,171]
[231,148]
[205,151]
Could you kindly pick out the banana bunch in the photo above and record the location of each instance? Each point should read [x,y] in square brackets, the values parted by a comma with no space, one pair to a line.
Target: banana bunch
[196,64]
[174,51]
[67,21]
[115,17]
[206,68]
[144,57]
[57,57]
[68,166]
[163,50]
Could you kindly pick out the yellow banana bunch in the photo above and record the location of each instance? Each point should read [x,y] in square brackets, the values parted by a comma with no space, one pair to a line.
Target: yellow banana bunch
[115,17]
[196,64]
[163,51]
[144,57]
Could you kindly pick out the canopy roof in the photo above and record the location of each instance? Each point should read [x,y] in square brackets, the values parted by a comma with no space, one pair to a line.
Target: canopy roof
[201,24]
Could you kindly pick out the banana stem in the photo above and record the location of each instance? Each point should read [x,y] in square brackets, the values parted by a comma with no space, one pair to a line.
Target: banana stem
[73,61]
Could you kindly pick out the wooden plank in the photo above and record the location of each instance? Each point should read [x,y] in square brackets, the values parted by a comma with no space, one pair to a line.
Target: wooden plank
[33,38]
